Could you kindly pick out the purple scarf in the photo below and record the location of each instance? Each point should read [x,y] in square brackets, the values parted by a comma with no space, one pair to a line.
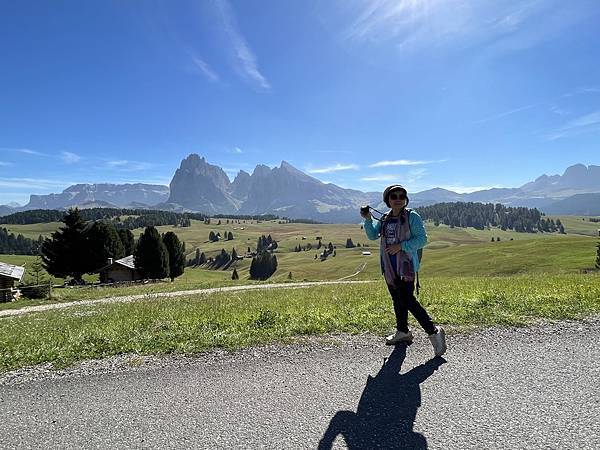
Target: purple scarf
[404,266]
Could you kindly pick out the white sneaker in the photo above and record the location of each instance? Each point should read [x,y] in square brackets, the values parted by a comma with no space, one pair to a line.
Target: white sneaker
[399,336]
[438,340]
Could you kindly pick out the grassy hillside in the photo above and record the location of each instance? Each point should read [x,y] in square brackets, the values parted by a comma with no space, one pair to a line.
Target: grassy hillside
[577,225]
[450,252]
[33,231]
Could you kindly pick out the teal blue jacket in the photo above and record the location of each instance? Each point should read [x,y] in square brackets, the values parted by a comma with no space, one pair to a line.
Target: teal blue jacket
[417,230]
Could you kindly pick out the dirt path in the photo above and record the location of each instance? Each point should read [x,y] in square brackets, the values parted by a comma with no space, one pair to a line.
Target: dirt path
[207,291]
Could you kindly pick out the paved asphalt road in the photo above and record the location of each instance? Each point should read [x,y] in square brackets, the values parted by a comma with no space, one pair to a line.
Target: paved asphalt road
[501,388]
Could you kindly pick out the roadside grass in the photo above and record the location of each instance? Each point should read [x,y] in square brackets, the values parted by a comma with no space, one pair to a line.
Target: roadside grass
[234,320]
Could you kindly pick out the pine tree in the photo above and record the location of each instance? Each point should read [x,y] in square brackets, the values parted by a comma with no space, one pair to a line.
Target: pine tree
[234,275]
[598,256]
[212,237]
[37,271]
[230,236]
[202,259]
[234,254]
[349,243]
[103,242]
[197,256]
[176,255]
[151,257]
[127,240]
[64,254]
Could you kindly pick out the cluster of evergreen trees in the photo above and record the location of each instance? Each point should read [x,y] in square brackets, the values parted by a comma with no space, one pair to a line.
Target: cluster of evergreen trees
[157,256]
[152,220]
[142,217]
[480,216]
[19,244]
[214,237]
[303,248]
[79,247]
[308,221]
[266,243]
[264,264]
[246,217]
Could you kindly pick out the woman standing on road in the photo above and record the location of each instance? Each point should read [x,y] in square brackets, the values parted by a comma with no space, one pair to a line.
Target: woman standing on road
[402,234]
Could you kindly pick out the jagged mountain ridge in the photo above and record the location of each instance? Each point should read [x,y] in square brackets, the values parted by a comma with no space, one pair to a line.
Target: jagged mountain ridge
[287,191]
[120,195]
[284,190]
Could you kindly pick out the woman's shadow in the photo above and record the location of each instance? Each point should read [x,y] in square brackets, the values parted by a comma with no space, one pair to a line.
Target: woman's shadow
[387,408]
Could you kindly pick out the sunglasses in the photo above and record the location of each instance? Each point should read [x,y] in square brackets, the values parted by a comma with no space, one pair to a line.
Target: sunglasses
[397,196]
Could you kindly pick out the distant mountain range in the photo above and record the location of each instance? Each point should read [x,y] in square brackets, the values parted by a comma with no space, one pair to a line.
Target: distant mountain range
[286,191]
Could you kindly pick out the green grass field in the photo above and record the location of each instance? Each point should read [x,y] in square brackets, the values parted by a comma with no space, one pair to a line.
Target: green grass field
[450,252]
[239,319]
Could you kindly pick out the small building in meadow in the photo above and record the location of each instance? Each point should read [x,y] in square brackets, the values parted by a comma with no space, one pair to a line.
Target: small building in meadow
[9,274]
[120,270]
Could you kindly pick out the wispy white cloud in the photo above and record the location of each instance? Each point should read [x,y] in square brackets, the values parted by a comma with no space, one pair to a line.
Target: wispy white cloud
[5,164]
[416,174]
[245,60]
[34,183]
[588,123]
[129,166]
[204,68]
[403,162]
[583,90]
[409,178]
[377,178]
[559,111]
[336,168]
[26,151]
[417,24]
[237,150]
[505,114]
[463,189]
[69,157]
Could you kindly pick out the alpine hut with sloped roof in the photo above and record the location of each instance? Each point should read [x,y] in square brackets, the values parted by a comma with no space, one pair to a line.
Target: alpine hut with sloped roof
[120,270]
[9,274]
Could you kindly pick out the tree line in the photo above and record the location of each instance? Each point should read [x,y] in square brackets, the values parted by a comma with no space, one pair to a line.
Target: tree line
[482,215]
[135,218]
[81,247]
[153,217]
[19,244]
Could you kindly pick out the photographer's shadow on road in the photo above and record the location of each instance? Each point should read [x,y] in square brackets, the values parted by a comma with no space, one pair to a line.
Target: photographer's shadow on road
[387,408]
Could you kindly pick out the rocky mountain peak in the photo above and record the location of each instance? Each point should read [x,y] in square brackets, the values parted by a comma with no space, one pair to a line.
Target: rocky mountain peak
[200,186]
[575,171]
[261,170]
[241,185]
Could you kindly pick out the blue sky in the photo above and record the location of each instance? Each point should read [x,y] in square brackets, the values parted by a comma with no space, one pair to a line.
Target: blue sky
[458,94]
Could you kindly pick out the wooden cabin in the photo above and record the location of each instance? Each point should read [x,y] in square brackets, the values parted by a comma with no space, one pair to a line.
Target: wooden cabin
[120,270]
[9,274]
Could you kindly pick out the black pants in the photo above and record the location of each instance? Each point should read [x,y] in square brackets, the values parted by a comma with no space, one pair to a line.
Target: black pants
[403,296]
